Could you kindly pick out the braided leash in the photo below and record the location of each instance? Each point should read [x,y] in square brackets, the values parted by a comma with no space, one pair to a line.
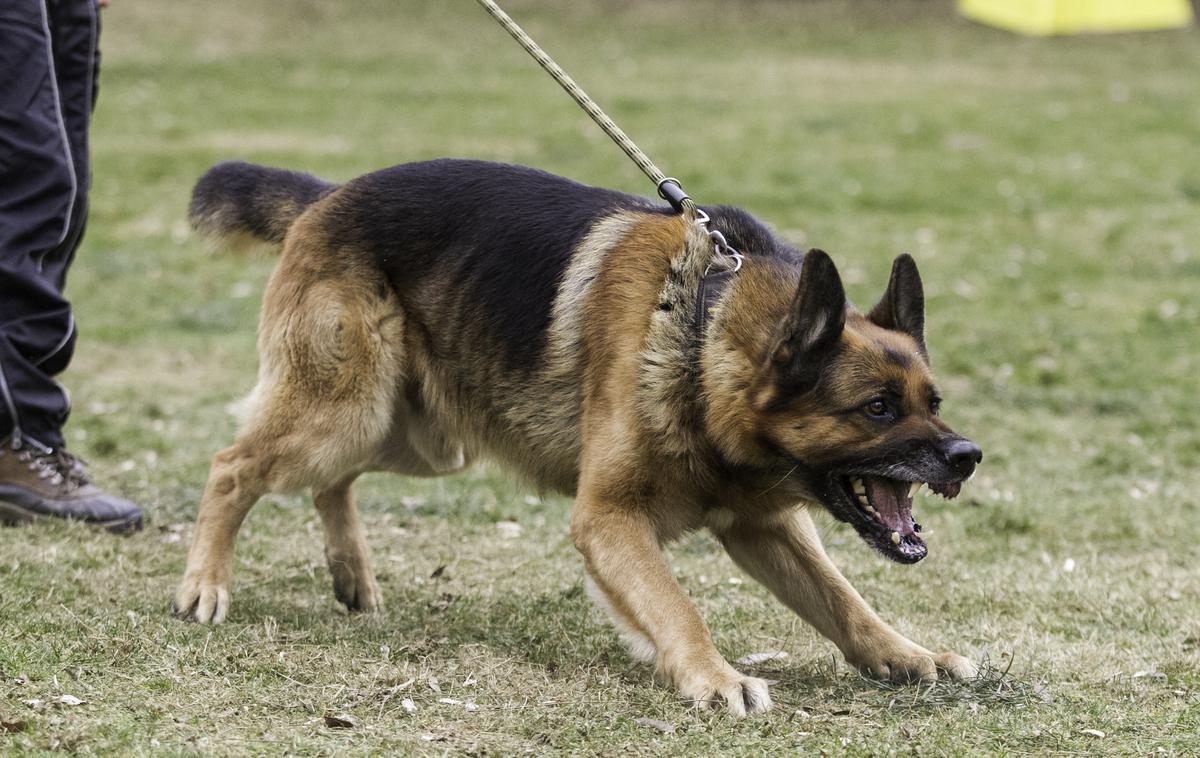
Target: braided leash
[669,189]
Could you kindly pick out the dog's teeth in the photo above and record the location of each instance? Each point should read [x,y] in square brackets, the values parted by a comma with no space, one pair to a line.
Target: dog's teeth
[869,509]
[895,538]
[859,487]
[914,489]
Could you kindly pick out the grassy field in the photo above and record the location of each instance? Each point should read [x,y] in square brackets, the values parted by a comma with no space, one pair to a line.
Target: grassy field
[1050,190]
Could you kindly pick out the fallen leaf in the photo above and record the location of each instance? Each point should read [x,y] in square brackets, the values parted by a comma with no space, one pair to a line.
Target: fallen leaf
[509,530]
[13,726]
[755,658]
[1043,694]
[1157,676]
[442,602]
[437,572]
[32,703]
[449,701]
[408,705]
[69,700]
[338,722]
[432,682]
[661,726]
[1093,733]
[403,685]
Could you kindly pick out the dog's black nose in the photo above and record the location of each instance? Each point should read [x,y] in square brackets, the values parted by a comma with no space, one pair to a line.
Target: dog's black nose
[962,456]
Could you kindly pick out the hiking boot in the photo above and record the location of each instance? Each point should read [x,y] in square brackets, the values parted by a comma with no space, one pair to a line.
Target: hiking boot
[38,483]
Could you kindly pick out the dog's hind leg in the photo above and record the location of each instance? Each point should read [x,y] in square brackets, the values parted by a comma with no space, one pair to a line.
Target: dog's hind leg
[330,346]
[346,550]
[237,480]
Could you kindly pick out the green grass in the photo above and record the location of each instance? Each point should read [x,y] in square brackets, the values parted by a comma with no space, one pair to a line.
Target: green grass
[1050,190]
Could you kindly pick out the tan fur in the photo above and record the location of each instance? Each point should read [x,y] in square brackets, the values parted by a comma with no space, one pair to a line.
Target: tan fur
[628,410]
[784,552]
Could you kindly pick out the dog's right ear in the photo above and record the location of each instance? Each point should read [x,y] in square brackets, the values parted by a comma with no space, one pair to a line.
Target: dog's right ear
[810,332]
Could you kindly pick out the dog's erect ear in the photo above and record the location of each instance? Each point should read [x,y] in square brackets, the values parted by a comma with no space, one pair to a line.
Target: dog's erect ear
[813,325]
[902,308]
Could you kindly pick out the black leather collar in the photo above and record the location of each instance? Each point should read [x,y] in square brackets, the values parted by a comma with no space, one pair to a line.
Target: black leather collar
[712,285]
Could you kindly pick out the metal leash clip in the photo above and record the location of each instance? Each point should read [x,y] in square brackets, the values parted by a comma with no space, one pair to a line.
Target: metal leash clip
[724,256]
[671,190]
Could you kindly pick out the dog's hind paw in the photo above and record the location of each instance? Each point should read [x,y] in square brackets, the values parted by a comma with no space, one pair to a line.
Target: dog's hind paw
[201,601]
[355,589]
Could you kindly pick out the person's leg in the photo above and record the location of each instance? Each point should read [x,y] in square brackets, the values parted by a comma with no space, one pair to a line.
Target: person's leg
[39,190]
[48,66]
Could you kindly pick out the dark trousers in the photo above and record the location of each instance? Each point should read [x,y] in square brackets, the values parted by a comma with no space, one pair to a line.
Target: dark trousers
[49,60]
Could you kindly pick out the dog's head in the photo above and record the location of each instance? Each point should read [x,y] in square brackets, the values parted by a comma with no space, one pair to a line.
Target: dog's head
[849,401]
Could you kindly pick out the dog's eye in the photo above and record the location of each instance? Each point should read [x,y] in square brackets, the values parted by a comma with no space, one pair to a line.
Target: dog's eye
[935,405]
[878,409]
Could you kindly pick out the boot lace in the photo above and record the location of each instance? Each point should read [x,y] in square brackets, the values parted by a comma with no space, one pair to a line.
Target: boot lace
[58,467]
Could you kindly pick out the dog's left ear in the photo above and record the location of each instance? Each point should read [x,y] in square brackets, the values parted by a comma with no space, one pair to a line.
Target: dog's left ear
[902,308]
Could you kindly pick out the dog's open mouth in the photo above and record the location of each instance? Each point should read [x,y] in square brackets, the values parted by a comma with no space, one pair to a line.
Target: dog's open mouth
[884,516]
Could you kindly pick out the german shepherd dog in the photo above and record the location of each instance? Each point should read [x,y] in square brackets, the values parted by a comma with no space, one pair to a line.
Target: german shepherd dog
[428,314]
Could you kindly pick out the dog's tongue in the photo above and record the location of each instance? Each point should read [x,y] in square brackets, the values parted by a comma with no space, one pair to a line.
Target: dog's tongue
[889,498]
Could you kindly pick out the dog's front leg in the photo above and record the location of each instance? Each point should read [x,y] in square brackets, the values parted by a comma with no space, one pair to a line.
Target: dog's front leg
[786,555]
[621,549]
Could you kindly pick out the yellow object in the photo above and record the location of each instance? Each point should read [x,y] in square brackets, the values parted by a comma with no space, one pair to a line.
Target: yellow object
[1043,17]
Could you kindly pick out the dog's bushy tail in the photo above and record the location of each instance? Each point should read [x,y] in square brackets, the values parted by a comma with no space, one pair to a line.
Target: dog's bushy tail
[240,203]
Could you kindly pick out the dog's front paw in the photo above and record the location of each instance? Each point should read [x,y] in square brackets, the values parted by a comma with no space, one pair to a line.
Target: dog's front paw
[895,659]
[200,599]
[720,686]
[900,667]
[954,666]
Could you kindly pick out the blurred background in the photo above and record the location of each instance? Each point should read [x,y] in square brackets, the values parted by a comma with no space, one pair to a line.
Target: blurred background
[1048,186]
